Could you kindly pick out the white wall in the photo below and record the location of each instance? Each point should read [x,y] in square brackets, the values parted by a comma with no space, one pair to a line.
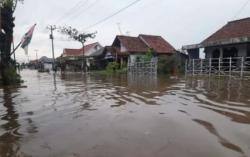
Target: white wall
[47,66]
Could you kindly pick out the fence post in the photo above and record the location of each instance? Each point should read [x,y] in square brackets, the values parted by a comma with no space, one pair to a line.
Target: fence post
[201,70]
[186,67]
[193,66]
[230,66]
[219,65]
[210,66]
[242,67]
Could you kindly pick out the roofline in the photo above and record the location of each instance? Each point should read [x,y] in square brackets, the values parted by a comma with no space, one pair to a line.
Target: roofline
[149,35]
[243,19]
[218,43]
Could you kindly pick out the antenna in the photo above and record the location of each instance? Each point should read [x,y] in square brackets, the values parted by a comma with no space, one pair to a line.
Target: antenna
[119,28]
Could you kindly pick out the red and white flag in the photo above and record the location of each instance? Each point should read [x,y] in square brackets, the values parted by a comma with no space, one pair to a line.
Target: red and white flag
[27,38]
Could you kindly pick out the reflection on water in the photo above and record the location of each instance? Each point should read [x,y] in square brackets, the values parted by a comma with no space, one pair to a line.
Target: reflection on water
[9,125]
[95,115]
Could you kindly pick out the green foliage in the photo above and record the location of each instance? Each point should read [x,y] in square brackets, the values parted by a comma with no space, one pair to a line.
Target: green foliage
[10,3]
[73,33]
[112,67]
[11,76]
[170,65]
[149,55]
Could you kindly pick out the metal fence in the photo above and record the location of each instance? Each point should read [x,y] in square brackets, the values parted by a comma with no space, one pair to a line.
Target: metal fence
[236,66]
[143,67]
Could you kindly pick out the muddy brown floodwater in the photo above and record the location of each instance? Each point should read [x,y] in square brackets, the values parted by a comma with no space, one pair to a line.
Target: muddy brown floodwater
[120,116]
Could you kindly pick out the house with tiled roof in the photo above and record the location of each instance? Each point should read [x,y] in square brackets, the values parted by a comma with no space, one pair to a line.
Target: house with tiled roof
[232,40]
[75,59]
[89,50]
[127,48]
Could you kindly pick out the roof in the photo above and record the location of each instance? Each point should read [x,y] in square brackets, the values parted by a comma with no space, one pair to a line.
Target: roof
[157,43]
[133,44]
[144,42]
[98,52]
[45,59]
[72,52]
[78,52]
[232,30]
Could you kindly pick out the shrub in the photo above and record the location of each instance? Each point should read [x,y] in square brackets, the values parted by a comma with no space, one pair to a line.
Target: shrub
[10,76]
[171,65]
[112,67]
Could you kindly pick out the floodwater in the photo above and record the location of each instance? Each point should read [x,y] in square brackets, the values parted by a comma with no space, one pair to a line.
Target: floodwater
[73,115]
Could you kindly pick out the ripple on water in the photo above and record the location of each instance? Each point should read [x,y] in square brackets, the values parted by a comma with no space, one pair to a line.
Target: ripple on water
[135,116]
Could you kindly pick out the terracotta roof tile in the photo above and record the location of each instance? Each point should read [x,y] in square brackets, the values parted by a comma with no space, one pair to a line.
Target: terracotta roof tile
[78,52]
[157,43]
[143,43]
[234,29]
[133,44]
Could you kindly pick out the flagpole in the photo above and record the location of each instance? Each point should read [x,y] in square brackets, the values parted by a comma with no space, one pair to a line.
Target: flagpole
[16,48]
[13,44]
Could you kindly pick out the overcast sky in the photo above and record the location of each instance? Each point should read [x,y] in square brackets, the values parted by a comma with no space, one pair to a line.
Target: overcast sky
[180,22]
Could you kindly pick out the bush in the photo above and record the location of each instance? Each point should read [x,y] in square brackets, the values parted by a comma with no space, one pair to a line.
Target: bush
[10,76]
[171,65]
[112,67]
[148,57]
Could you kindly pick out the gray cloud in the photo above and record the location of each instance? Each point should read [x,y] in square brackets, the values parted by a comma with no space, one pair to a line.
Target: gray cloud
[178,21]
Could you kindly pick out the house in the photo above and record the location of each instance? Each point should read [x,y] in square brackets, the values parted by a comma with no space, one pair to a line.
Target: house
[45,64]
[77,59]
[132,49]
[232,40]
[33,64]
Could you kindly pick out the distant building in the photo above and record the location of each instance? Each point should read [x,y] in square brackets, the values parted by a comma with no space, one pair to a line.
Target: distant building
[45,64]
[77,59]
[232,40]
[132,49]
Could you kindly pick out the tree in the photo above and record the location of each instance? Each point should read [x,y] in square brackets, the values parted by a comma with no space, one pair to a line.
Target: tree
[76,35]
[7,66]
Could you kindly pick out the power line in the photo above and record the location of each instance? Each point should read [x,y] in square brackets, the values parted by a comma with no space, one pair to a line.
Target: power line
[77,6]
[241,9]
[86,9]
[112,15]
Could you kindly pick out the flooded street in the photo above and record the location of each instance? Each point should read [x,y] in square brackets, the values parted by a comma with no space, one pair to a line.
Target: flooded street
[99,116]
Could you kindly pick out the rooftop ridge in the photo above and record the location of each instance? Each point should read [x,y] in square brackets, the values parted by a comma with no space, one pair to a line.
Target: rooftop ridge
[149,35]
[243,19]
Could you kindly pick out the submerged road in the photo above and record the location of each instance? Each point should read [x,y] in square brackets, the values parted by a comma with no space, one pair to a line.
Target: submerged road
[109,116]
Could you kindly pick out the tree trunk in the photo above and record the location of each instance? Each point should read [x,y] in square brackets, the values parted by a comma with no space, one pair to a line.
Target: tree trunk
[7,66]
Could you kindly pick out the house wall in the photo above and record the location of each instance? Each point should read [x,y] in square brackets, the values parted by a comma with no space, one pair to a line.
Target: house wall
[123,48]
[93,50]
[133,58]
[47,66]
[242,50]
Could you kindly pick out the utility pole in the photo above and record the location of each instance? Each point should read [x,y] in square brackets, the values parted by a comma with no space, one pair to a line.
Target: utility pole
[83,60]
[36,54]
[52,28]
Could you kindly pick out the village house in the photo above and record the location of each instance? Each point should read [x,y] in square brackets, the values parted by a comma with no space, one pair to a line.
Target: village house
[227,51]
[127,49]
[232,40]
[79,59]
[45,64]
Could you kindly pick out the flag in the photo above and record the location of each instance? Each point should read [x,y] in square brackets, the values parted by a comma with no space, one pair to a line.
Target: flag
[27,38]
